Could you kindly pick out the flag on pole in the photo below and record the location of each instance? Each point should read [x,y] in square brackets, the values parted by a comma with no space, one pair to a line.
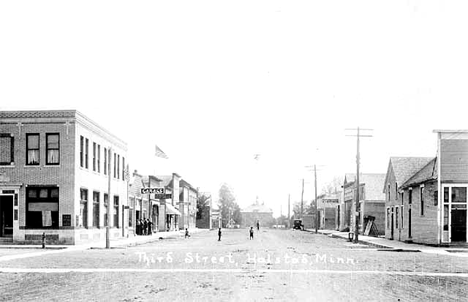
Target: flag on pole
[160,153]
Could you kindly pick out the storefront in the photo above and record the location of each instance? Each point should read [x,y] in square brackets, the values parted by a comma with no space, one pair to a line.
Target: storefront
[453,213]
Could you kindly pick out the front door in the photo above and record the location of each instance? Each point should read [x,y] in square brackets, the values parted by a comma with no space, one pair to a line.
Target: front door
[392,224]
[458,224]
[409,223]
[6,216]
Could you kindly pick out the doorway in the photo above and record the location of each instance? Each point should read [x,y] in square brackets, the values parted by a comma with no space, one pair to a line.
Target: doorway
[409,223]
[458,232]
[392,224]
[6,216]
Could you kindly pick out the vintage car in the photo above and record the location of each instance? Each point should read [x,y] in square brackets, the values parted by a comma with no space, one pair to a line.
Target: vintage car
[297,225]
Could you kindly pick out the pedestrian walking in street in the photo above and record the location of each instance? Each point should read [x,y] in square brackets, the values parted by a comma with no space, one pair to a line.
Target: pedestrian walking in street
[219,234]
[258,225]
[251,233]
[150,227]
[145,226]
[187,233]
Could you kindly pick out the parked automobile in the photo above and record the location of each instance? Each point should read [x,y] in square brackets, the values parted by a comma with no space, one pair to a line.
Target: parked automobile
[297,225]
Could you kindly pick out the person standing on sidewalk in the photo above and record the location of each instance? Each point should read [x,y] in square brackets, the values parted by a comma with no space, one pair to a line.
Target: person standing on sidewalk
[187,233]
[138,227]
[145,226]
[251,233]
[219,234]
[258,225]
[150,227]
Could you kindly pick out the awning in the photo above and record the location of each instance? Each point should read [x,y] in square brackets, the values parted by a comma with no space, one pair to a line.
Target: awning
[170,210]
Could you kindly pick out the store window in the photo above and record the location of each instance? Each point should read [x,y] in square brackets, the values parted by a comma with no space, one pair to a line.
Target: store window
[95,209]
[446,195]
[42,207]
[83,220]
[459,194]
[116,211]
[106,203]
[446,217]
[7,149]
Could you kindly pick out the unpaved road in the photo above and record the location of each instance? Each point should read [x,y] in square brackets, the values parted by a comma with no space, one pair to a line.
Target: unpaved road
[278,265]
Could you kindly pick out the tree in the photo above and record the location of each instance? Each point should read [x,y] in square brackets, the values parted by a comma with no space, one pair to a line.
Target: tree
[333,186]
[297,209]
[203,205]
[228,208]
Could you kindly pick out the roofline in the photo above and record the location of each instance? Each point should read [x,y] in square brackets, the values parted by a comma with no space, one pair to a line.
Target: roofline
[70,115]
[449,131]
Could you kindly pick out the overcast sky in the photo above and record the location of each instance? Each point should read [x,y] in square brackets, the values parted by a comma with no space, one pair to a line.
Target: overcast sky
[213,83]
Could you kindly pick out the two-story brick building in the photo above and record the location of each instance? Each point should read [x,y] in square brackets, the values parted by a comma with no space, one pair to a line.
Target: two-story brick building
[426,198]
[56,168]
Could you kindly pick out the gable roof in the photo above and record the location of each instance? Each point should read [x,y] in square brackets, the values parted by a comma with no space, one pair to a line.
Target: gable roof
[405,167]
[428,172]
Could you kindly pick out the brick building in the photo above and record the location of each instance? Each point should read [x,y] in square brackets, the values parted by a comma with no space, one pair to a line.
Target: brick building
[54,177]
[257,212]
[426,198]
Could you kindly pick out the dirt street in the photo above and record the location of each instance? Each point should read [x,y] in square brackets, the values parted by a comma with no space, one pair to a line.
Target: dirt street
[277,265]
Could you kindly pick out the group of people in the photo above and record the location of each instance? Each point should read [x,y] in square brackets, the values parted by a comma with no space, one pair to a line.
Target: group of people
[144,227]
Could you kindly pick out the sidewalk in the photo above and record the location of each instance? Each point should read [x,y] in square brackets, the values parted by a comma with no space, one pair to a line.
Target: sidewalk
[117,242]
[395,245]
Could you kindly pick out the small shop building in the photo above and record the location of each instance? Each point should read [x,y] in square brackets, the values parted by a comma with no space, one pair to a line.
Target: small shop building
[426,198]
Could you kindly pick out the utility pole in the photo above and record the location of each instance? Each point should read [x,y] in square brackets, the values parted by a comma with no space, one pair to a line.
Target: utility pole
[302,199]
[316,201]
[316,210]
[356,205]
[289,209]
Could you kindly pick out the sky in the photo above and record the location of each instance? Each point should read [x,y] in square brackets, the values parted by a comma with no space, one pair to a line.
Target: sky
[213,83]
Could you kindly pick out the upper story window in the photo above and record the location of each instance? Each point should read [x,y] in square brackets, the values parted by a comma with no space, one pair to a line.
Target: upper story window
[115,164]
[94,156]
[52,149]
[124,170]
[105,161]
[86,152]
[410,196]
[32,149]
[81,151]
[99,158]
[118,166]
[396,191]
[388,190]
[7,149]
